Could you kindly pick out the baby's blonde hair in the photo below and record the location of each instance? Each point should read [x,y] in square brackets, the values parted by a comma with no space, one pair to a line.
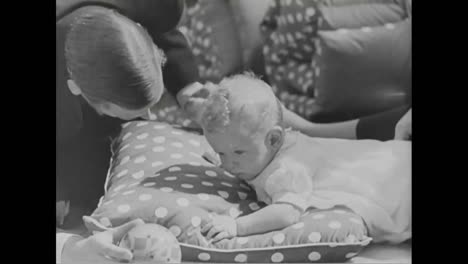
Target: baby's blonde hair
[243,97]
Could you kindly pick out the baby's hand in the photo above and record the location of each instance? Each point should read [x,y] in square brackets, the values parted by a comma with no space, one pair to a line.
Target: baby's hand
[220,227]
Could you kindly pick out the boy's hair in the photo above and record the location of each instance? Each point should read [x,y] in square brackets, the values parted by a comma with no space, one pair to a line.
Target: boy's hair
[246,98]
[112,59]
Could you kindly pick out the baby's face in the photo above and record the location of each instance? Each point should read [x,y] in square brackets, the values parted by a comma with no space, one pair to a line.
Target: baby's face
[241,154]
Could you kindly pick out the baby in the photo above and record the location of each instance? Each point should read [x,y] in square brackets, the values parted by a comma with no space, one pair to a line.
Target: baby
[291,172]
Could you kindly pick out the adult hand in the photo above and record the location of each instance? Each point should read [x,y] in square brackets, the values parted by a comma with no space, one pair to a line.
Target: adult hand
[100,245]
[403,128]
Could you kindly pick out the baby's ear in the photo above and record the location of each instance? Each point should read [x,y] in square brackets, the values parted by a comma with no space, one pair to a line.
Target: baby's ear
[274,138]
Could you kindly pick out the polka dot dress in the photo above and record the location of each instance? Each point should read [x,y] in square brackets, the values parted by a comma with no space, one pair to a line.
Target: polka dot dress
[289,29]
[202,41]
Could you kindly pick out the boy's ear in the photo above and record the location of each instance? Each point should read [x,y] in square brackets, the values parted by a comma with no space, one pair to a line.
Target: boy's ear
[274,138]
[74,89]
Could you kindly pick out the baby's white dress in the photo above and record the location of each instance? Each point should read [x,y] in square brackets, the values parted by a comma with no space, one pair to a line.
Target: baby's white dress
[372,178]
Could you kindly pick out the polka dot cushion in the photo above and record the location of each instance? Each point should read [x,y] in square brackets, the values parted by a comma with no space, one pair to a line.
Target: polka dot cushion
[158,173]
[289,29]
[214,38]
[374,65]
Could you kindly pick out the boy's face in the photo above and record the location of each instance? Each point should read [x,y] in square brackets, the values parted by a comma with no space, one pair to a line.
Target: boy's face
[241,154]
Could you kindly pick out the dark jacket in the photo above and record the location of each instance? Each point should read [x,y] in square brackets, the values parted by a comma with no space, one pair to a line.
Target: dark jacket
[82,136]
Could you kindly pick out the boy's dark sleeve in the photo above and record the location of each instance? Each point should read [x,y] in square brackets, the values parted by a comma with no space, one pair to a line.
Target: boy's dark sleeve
[380,126]
[160,19]
[180,69]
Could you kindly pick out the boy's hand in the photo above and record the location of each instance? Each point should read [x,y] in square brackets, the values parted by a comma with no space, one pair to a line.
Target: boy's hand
[220,227]
[403,127]
[192,99]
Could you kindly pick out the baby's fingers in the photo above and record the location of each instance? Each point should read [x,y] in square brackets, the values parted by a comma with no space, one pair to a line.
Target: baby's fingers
[206,227]
[222,235]
[213,231]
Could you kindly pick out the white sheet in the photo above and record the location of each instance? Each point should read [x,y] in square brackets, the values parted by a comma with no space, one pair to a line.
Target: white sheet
[382,253]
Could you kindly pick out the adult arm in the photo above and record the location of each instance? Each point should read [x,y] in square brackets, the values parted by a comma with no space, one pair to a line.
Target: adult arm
[74,249]
[380,126]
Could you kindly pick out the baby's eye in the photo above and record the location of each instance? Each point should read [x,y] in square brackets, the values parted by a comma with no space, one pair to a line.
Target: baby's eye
[221,153]
[239,152]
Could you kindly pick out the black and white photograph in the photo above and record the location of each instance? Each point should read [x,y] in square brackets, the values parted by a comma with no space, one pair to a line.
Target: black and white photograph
[233,131]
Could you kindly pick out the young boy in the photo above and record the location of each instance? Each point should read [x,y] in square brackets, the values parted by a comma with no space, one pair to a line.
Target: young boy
[242,121]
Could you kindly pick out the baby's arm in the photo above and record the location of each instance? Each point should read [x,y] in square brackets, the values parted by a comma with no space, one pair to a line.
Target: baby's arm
[286,187]
[272,217]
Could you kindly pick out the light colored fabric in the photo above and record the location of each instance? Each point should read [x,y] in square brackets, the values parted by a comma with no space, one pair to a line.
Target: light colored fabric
[61,239]
[370,177]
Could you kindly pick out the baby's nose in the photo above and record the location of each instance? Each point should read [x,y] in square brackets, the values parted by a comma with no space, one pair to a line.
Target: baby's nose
[231,166]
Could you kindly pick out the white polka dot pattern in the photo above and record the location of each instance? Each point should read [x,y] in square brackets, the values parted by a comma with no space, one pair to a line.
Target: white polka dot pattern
[156,164]
[124,208]
[160,212]
[334,225]
[176,156]
[140,159]
[314,256]
[173,169]
[223,194]
[279,238]
[242,240]
[138,175]
[298,225]
[211,173]
[120,187]
[133,184]
[177,145]
[166,189]
[124,160]
[175,230]
[149,184]
[122,173]
[203,196]
[254,206]
[145,197]
[141,146]
[207,183]
[242,195]
[318,216]
[142,136]
[126,136]
[128,192]
[183,202]
[277,257]
[240,258]
[314,237]
[159,139]
[204,256]
[158,149]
